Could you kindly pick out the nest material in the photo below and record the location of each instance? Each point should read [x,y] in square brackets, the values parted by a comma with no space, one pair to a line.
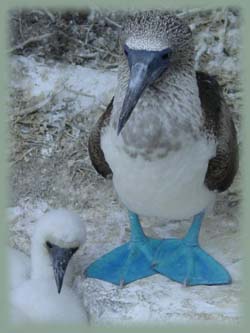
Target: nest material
[79,38]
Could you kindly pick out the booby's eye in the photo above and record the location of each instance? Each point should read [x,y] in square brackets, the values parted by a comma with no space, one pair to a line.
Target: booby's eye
[166,54]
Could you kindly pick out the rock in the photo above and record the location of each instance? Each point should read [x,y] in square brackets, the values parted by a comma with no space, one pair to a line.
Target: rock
[40,84]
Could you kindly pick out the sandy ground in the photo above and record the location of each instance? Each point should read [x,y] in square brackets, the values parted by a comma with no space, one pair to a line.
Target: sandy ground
[52,108]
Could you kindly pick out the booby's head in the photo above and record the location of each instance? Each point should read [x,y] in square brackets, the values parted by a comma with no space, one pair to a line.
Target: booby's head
[58,235]
[152,42]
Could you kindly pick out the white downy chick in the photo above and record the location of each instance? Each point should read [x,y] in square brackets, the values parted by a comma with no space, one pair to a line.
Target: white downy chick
[19,267]
[57,236]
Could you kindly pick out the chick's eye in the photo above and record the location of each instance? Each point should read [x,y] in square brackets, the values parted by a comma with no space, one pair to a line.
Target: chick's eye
[74,249]
[49,245]
[126,51]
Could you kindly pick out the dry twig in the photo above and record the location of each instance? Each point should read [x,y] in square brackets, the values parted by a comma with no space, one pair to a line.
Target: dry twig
[30,40]
[115,24]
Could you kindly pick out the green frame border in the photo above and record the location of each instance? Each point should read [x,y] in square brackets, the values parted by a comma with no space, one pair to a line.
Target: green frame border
[245,163]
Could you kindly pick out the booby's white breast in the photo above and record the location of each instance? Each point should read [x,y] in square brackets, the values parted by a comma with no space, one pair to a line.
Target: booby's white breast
[171,187]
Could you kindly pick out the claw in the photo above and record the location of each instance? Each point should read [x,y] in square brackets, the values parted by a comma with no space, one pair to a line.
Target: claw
[122,284]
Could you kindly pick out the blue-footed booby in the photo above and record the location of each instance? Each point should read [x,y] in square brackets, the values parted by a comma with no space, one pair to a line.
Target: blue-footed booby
[169,142]
[57,236]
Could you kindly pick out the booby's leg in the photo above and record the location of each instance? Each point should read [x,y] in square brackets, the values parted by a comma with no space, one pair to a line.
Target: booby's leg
[129,262]
[183,260]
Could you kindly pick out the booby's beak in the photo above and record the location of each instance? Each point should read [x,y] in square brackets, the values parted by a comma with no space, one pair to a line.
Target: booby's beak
[145,68]
[60,258]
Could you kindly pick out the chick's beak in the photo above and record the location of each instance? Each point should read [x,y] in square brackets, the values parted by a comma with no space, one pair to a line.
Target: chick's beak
[60,258]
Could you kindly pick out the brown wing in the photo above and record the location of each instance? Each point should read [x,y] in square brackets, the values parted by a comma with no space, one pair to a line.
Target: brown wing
[218,120]
[94,145]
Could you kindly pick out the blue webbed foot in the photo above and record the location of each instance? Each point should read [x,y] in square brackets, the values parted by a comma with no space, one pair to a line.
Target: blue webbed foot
[129,262]
[183,260]
[189,264]
[125,264]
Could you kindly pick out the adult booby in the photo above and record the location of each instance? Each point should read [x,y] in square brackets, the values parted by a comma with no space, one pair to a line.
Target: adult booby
[169,142]
[58,235]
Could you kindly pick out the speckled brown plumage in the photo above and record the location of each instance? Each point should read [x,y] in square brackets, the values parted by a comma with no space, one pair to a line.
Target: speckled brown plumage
[218,121]
[94,144]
